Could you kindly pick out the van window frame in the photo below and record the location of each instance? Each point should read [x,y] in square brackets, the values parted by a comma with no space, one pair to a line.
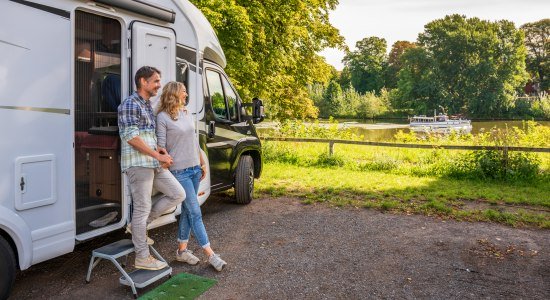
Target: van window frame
[237,100]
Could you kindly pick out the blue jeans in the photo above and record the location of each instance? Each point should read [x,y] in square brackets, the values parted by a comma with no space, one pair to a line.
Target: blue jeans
[191,216]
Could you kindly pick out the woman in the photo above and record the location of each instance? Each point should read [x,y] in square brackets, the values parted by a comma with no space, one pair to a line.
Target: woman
[176,133]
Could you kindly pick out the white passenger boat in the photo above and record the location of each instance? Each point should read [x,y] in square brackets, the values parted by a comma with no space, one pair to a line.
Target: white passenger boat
[439,123]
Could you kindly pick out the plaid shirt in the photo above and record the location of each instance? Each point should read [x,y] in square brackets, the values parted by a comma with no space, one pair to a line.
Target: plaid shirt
[136,118]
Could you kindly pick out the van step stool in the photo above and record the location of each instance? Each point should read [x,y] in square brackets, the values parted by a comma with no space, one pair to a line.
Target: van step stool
[136,279]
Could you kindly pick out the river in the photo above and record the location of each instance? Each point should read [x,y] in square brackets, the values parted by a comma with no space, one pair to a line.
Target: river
[385,130]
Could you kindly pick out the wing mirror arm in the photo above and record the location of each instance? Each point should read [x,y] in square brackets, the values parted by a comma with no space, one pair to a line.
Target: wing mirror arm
[211,129]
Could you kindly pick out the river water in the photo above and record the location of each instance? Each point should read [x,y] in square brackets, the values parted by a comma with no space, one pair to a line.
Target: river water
[385,130]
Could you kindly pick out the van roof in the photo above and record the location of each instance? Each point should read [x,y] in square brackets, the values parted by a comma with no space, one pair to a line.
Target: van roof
[208,42]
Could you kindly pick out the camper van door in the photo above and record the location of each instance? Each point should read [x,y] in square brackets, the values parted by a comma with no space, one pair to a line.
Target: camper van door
[155,46]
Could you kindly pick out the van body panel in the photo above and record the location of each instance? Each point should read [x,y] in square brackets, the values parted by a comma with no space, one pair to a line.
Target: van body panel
[17,229]
[36,103]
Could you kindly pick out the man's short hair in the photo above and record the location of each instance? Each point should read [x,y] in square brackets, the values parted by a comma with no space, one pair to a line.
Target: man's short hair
[145,72]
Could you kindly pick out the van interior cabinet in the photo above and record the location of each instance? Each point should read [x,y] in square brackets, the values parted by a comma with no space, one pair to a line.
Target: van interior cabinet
[104,180]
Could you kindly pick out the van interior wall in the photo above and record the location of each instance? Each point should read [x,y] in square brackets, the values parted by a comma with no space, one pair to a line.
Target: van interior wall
[97,145]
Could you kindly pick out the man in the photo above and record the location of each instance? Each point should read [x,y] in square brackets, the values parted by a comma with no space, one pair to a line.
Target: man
[141,161]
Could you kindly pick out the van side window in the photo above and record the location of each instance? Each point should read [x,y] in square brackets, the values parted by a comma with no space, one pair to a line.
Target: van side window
[231,97]
[215,90]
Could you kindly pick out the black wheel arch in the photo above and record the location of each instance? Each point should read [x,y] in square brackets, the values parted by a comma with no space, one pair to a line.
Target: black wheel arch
[10,241]
[246,148]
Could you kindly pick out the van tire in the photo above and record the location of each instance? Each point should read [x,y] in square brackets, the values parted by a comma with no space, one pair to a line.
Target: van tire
[244,180]
[7,268]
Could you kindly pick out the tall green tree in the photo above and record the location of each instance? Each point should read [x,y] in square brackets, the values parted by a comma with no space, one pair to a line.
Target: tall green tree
[394,63]
[366,64]
[478,65]
[333,104]
[271,48]
[418,86]
[537,41]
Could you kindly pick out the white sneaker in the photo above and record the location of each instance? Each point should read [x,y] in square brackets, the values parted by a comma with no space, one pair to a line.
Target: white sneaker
[150,263]
[149,240]
[187,257]
[216,262]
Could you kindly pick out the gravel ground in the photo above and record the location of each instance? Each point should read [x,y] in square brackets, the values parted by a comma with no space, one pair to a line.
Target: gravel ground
[281,249]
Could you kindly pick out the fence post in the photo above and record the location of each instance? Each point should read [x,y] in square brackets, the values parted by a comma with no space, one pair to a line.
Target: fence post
[330,148]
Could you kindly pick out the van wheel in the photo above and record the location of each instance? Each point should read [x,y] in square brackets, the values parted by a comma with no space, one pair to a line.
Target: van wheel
[244,180]
[7,268]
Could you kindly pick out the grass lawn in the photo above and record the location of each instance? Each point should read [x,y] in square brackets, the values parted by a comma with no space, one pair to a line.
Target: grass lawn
[514,204]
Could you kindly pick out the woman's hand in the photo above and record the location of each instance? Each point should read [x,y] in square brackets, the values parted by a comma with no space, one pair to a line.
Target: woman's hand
[203,169]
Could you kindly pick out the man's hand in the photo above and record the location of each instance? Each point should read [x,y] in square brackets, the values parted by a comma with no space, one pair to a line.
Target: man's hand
[161,150]
[165,160]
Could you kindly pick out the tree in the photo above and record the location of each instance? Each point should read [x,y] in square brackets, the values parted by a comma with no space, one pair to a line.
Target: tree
[271,48]
[366,64]
[417,85]
[333,101]
[537,41]
[478,65]
[394,62]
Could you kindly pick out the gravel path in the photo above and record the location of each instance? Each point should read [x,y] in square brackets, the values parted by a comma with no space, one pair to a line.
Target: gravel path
[281,249]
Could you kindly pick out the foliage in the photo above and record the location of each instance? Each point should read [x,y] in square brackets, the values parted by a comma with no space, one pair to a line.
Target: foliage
[348,103]
[418,87]
[271,49]
[477,65]
[499,165]
[530,134]
[366,64]
[333,100]
[537,41]
[541,107]
[394,64]
[502,165]
[300,129]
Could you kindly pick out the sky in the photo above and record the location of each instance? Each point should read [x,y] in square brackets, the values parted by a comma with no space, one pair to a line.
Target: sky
[398,20]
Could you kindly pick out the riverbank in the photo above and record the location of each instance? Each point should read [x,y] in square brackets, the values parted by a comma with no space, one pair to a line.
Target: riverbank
[512,204]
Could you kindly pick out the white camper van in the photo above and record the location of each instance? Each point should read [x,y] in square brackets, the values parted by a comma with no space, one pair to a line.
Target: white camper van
[65,65]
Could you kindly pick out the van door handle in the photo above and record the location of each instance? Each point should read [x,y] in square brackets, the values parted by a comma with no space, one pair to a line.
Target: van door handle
[211,129]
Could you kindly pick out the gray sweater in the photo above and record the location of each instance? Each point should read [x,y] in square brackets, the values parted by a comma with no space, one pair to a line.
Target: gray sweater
[178,137]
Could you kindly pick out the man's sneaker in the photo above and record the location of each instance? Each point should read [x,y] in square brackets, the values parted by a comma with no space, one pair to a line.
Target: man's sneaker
[149,240]
[187,256]
[150,263]
[216,262]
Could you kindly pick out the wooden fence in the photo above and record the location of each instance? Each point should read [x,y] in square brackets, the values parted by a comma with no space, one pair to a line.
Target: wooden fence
[401,145]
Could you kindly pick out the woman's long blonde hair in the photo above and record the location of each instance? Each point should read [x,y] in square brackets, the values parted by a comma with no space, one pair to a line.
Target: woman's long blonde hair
[170,99]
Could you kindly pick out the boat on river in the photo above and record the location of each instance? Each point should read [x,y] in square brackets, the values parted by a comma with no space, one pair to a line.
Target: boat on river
[439,123]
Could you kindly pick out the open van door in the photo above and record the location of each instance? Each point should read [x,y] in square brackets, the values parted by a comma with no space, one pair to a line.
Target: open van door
[154,46]
[37,138]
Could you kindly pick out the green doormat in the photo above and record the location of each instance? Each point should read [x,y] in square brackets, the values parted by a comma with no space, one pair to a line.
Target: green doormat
[181,286]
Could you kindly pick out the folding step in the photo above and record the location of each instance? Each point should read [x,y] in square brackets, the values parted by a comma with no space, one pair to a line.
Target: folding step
[143,278]
[115,250]
[135,279]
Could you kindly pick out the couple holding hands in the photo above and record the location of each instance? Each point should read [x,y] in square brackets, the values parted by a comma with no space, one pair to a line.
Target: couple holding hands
[162,152]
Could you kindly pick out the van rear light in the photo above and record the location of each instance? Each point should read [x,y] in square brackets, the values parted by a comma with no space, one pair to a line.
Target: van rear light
[201,193]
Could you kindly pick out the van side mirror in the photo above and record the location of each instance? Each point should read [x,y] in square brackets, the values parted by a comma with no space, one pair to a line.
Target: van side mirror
[258,113]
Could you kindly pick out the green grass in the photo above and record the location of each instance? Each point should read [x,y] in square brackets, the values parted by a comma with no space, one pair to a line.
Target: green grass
[511,188]
[514,204]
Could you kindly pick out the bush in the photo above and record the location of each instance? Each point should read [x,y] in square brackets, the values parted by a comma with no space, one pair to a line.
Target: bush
[495,165]
[327,160]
